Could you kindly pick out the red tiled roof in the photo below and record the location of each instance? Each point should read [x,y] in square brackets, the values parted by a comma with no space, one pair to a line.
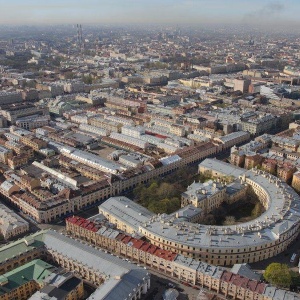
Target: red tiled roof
[137,243]
[246,283]
[75,220]
[167,255]
[145,247]
[126,239]
[120,236]
[152,249]
[81,222]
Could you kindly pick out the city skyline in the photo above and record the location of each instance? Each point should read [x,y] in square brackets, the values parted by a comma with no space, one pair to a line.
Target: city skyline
[148,145]
[140,11]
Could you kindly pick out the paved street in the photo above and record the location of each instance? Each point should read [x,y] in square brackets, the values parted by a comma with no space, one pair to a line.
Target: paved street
[283,257]
[160,283]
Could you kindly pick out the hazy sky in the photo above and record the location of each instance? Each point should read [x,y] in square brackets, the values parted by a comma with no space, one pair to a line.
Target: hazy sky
[148,11]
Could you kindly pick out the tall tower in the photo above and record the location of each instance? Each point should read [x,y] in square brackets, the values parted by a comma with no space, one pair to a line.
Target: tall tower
[81,40]
[78,36]
[80,43]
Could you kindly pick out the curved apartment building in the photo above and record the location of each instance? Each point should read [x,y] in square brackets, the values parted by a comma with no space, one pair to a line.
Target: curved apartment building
[253,241]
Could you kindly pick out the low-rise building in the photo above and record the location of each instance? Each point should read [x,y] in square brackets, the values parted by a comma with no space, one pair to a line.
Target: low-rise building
[60,286]
[235,284]
[17,161]
[11,224]
[260,125]
[113,277]
[33,142]
[129,140]
[285,171]
[207,196]
[111,126]
[23,109]
[133,131]
[23,281]
[124,213]
[32,122]
[296,181]
[252,160]
[270,165]
[5,154]
[19,149]
[232,139]
[177,130]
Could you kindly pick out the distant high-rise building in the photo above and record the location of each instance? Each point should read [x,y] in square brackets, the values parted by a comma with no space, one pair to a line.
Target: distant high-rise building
[80,42]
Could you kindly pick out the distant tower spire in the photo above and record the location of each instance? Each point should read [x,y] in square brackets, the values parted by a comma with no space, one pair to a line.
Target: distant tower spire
[81,39]
[80,42]
[78,36]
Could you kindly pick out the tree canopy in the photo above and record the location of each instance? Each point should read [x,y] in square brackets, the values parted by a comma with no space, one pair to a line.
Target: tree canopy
[159,197]
[229,220]
[278,275]
[87,79]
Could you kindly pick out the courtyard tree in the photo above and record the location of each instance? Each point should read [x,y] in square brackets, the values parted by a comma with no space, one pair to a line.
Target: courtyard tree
[229,220]
[278,275]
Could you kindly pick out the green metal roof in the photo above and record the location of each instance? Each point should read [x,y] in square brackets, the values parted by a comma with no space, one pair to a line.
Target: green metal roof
[36,270]
[20,246]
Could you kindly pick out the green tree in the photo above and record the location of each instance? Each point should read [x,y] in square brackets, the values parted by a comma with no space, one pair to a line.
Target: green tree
[229,220]
[166,205]
[166,190]
[173,205]
[295,278]
[204,176]
[159,197]
[278,274]
[69,75]
[156,65]
[149,194]
[257,210]
[158,207]
[29,84]
[152,189]
[138,191]
[145,197]
[209,220]
[87,79]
